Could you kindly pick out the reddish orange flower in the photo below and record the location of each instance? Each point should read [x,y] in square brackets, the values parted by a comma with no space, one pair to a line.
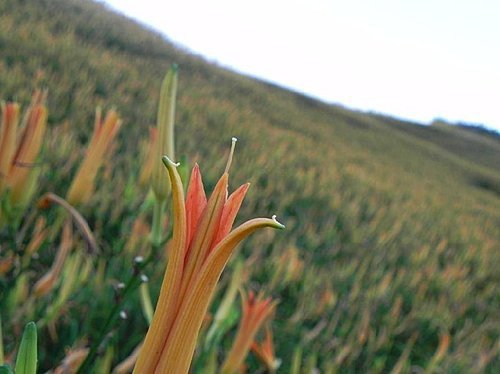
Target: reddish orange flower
[256,310]
[201,245]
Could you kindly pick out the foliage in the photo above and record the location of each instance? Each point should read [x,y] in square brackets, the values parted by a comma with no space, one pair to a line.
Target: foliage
[396,225]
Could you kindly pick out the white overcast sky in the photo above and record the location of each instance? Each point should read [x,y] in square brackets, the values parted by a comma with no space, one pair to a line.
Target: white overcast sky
[415,59]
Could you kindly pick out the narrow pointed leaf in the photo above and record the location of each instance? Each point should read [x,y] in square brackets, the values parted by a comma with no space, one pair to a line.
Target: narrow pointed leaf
[26,361]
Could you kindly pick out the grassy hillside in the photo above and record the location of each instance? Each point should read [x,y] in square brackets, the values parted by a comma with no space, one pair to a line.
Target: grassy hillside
[396,223]
[467,143]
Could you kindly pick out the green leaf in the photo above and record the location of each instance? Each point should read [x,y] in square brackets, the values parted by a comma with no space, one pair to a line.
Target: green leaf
[27,355]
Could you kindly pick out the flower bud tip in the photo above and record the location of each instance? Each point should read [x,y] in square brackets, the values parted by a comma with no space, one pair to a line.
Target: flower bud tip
[168,162]
[279,224]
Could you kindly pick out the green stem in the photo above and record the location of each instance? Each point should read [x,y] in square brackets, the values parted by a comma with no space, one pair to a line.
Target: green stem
[1,344]
[157,225]
[157,240]
[131,286]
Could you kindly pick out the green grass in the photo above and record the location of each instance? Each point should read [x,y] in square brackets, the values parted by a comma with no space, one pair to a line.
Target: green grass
[400,220]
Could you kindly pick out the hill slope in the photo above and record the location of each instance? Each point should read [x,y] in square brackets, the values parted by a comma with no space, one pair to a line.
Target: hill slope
[383,212]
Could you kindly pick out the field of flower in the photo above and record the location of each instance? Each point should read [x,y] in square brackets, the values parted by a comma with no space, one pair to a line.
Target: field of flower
[388,263]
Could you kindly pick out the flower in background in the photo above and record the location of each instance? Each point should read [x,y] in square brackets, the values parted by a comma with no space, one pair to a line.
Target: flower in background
[72,361]
[104,132]
[45,284]
[256,310]
[327,299]
[289,268]
[20,144]
[201,245]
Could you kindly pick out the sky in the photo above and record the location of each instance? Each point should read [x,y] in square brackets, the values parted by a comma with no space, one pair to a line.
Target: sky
[414,59]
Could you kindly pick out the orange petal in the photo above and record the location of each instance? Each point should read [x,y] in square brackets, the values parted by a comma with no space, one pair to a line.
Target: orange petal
[196,201]
[205,233]
[231,209]
[169,297]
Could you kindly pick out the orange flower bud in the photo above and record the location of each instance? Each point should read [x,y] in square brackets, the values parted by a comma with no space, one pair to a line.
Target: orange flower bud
[82,186]
[19,150]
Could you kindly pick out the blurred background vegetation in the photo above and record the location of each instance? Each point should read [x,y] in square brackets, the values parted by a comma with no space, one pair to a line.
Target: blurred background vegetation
[397,224]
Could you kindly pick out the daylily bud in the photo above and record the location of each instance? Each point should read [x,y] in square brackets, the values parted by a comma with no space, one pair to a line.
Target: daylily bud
[165,125]
[21,176]
[17,159]
[82,186]
[8,135]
